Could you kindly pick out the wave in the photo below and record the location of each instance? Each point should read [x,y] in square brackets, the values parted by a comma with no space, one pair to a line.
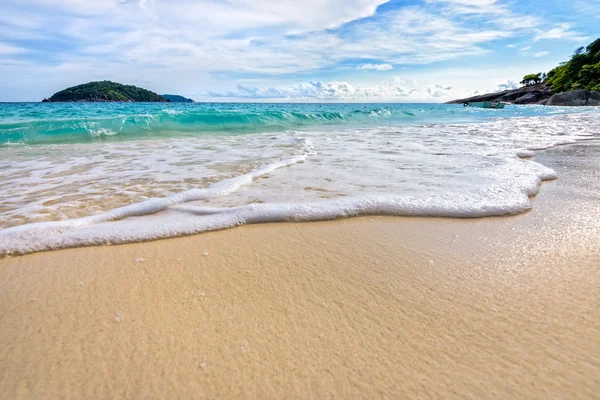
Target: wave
[109,193]
[172,216]
[50,123]
[173,121]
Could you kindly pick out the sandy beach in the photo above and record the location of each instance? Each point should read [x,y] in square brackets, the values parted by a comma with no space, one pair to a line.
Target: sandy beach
[373,307]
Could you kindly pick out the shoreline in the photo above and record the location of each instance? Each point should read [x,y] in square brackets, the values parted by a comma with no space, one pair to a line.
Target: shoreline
[347,208]
[499,307]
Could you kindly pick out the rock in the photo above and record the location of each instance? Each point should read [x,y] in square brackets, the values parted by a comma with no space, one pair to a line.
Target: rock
[594,99]
[576,98]
[539,94]
[512,96]
[534,94]
[532,97]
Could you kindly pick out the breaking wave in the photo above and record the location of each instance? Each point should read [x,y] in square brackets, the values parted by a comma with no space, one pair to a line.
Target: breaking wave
[51,123]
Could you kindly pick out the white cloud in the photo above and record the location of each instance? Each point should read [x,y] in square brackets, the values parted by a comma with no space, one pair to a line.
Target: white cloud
[541,54]
[211,35]
[470,6]
[588,8]
[526,48]
[289,15]
[196,45]
[395,90]
[377,67]
[7,49]
[560,31]
[438,90]
[491,12]
[508,84]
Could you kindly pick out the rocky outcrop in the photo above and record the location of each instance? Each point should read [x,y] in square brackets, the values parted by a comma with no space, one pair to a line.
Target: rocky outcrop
[594,99]
[575,98]
[539,94]
[529,98]
[535,94]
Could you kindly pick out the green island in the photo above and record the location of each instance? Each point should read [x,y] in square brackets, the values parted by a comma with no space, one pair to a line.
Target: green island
[572,83]
[105,91]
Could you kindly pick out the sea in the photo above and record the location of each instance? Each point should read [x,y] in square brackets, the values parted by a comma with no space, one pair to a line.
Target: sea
[77,174]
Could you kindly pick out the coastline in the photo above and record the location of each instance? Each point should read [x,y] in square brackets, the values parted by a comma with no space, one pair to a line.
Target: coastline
[498,307]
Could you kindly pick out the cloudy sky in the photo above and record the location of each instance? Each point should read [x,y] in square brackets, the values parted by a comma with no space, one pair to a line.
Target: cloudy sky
[288,50]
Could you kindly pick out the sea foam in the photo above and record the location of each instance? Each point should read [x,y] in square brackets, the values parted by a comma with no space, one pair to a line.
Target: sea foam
[145,190]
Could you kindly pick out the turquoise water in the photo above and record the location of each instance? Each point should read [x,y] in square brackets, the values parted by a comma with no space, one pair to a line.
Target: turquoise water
[46,123]
[85,174]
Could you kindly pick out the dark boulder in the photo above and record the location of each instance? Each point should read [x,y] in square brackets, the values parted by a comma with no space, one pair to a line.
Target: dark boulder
[529,98]
[510,96]
[594,99]
[576,98]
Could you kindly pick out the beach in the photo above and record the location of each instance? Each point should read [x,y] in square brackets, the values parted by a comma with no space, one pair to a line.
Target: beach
[370,307]
[338,199]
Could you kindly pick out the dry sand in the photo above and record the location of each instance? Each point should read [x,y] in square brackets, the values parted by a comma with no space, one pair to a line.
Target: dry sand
[362,308]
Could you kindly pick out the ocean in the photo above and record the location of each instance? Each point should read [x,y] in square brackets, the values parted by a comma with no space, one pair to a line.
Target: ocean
[76,174]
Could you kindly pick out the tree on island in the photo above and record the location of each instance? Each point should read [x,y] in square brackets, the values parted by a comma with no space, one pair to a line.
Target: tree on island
[532,79]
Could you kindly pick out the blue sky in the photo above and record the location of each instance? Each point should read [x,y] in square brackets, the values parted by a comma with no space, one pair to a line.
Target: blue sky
[288,50]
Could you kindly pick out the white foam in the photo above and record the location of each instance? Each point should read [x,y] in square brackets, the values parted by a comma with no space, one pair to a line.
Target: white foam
[461,171]
[171,216]
[525,153]
[189,220]
[101,132]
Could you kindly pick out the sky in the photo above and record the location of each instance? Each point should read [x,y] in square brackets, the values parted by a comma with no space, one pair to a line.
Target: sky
[288,50]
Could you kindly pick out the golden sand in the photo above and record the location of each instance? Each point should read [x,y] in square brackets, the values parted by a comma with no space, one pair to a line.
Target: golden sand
[362,308]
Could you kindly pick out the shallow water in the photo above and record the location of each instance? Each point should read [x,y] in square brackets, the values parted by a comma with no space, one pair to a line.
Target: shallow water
[167,170]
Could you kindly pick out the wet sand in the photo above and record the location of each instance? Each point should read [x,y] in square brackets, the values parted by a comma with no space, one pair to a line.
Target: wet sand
[363,308]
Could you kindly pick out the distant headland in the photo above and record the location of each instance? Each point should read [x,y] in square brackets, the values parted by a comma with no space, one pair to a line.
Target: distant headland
[105,91]
[175,98]
[573,83]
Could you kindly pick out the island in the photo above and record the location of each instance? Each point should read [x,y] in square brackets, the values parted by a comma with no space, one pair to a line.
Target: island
[105,91]
[175,98]
[573,83]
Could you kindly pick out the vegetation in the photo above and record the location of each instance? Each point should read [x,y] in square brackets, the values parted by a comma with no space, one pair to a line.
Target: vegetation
[581,72]
[532,79]
[177,99]
[105,91]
